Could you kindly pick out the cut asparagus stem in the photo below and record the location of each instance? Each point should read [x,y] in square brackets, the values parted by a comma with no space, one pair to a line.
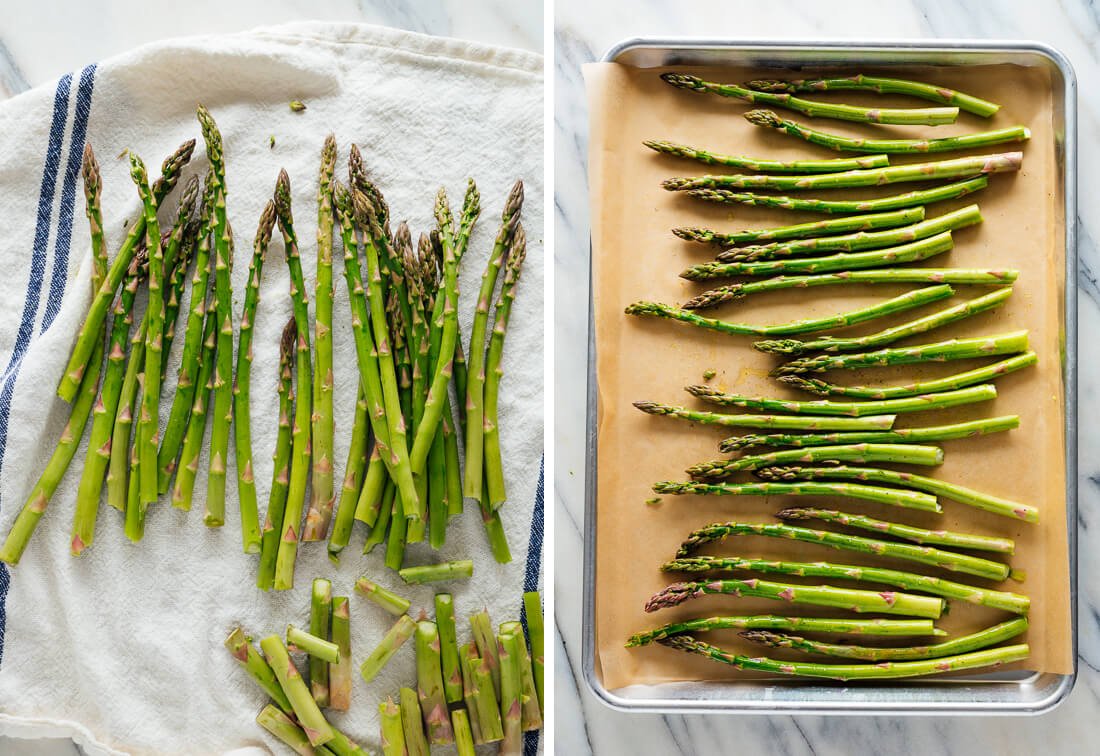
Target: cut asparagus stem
[322,494]
[485,638]
[949,383]
[765,166]
[944,317]
[898,530]
[893,497]
[246,482]
[401,631]
[983,139]
[953,349]
[429,676]
[928,116]
[960,276]
[931,92]
[530,716]
[305,708]
[878,627]
[416,742]
[782,422]
[341,745]
[956,219]
[950,191]
[316,647]
[369,504]
[432,573]
[943,169]
[488,706]
[903,454]
[924,401]
[134,527]
[910,581]
[947,560]
[532,611]
[467,657]
[196,422]
[859,601]
[398,535]
[907,301]
[511,695]
[996,505]
[393,736]
[241,648]
[320,623]
[464,737]
[300,434]
[884,670]
[276,503]
[896,436]
[378,530]
[818,230]
[448,647]
[847,261]
[340,673]
[284,728]
[388,600]
[354,471]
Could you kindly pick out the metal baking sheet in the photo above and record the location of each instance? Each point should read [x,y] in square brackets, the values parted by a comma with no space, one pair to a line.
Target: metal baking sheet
[994,693]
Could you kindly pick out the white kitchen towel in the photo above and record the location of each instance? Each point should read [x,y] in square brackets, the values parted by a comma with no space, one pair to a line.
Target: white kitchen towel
[122,648]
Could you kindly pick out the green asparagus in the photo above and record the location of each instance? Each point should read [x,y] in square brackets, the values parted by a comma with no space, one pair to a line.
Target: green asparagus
[878,627]
[770,166]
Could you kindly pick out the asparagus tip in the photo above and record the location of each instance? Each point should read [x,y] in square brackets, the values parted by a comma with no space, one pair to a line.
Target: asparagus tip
[761,117]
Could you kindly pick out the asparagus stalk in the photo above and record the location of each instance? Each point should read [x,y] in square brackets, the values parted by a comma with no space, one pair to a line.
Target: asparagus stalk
[377,534]
[464,736]
[910,581]
[765,166]
[488,707]
[320,623]
[530,716]
[467,656]
[884,670]
[118,467]
[901,303]
[996,505]
[928,116]
[944,317]
[846,261]
[276,504]
[859,601]
[895,498]
[196,422]
[429,675]
[880,423]
[317,648]
[339,674]
[943,169]
[341,745]
[134,527]
[415,741]
[300,434]
[896,436]
[953,349]
[92,328]
[179,248]
[730,292]
[241,648]
[448,647]
[246,482]
[398,535]
[432,573]
[883,627]
[532,611]
[322,494]
[369,504]
[956,219]
[511,695]
[921,402]
[947,560]
[813,230]
[388,600]
[768,119]
[485,639]
[284,728]
[354,472]
[305,708]
[401,631]
[903,454]
[393,736]
[931,92]
[948,383]
[950,191]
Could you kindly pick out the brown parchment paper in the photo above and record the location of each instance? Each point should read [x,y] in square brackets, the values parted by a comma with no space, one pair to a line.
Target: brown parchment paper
[635,257]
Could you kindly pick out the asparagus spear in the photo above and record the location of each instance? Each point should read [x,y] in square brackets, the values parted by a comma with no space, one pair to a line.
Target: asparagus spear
[511,695]
[467,656]
[448,647]
[783,422]
[895,498]
[950,191]
[317,648]
[905,253]
[377,533]
[322,496]
[179,248]
[769,166]
[731,292]
[341,745]
[944,169]
[276,504]
[398,535]
[119,465]
[241,648]
[415,741]
[956,219]
[196,422]
[994,504]
[320,622]
[339,674]
[947,560]
[901,303]
[488,707]
[429,675]
[929,116]
[464,736]
[910,581]
[883,670]
[883,627]
[393,736]
[388,600]
[92,328]
[482,631]
[944,317]
[401,631]
[532,611]
[246,482]
[305,708]
[354,473]
[300,453]
[893,393]
[904,454]
[285,729]
[530,716]
[896,436]
[222,394]
[812,230]
[953,349]
[931,92]
[431,573]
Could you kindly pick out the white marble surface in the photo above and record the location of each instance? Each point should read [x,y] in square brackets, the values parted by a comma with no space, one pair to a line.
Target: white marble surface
[584,31]
[43,40]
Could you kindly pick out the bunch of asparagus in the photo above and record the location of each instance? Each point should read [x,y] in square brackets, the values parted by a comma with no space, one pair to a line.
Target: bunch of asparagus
[829,446]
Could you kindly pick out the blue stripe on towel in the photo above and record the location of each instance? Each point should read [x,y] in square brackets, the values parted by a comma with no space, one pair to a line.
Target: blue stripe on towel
[531,580]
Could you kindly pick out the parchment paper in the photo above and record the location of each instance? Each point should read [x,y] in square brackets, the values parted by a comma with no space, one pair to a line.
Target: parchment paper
[636,257]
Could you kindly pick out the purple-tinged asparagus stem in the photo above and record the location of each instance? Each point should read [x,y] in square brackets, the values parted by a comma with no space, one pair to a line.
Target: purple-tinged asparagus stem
[530,716]
[511,695]
[340,673]
[429,675]
[486,641]
[305,708]
[393,736]
[320,622]
[241,648]
[388,600]
[416,742]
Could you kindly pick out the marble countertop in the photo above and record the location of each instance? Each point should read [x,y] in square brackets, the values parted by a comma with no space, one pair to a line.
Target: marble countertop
[583,32]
